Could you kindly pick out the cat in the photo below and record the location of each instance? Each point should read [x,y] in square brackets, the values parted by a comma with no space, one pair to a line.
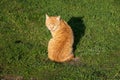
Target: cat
[60,45]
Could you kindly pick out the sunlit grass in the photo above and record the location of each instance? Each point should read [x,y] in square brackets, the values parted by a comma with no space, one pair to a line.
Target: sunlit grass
[24,38]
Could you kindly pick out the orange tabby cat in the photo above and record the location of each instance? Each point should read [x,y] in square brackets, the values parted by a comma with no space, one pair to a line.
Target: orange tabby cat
[60,45]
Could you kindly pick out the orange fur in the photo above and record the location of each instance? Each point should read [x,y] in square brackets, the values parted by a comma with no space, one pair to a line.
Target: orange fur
[60,45]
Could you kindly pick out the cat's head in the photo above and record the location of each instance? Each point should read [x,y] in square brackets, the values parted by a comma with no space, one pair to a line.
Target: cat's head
[52,22]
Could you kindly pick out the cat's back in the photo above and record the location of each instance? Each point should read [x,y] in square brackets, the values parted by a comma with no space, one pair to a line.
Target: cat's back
[64,30]
[63,36]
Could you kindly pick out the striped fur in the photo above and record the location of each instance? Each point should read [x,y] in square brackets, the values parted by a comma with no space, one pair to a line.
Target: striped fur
[60,45]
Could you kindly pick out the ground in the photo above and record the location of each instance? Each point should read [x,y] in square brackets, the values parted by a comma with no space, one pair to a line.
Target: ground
[24,38]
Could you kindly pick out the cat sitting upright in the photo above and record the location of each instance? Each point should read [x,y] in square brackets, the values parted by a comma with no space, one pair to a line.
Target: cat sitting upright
[60,45]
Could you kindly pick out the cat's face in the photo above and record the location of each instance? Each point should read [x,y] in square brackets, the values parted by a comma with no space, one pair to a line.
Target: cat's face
[52,22]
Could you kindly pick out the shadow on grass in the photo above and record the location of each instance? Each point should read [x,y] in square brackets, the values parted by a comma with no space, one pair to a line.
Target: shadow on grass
[78,28]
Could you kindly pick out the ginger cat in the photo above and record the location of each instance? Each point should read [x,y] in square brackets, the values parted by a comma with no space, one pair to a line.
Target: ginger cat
[60,45]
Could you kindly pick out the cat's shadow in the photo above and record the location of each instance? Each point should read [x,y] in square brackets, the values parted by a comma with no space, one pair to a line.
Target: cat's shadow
[78,27]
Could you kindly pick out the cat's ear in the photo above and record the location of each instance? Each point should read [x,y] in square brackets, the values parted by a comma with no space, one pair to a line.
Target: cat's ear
[58,17]
[47,16]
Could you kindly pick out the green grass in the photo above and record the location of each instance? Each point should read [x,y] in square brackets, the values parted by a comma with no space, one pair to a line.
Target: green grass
[24,38]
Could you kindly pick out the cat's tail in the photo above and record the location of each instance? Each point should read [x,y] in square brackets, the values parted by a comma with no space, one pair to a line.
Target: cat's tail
[76,59]
[72,58]
[69,58]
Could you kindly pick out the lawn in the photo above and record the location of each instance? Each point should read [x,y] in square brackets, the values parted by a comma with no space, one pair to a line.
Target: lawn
[24,38]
